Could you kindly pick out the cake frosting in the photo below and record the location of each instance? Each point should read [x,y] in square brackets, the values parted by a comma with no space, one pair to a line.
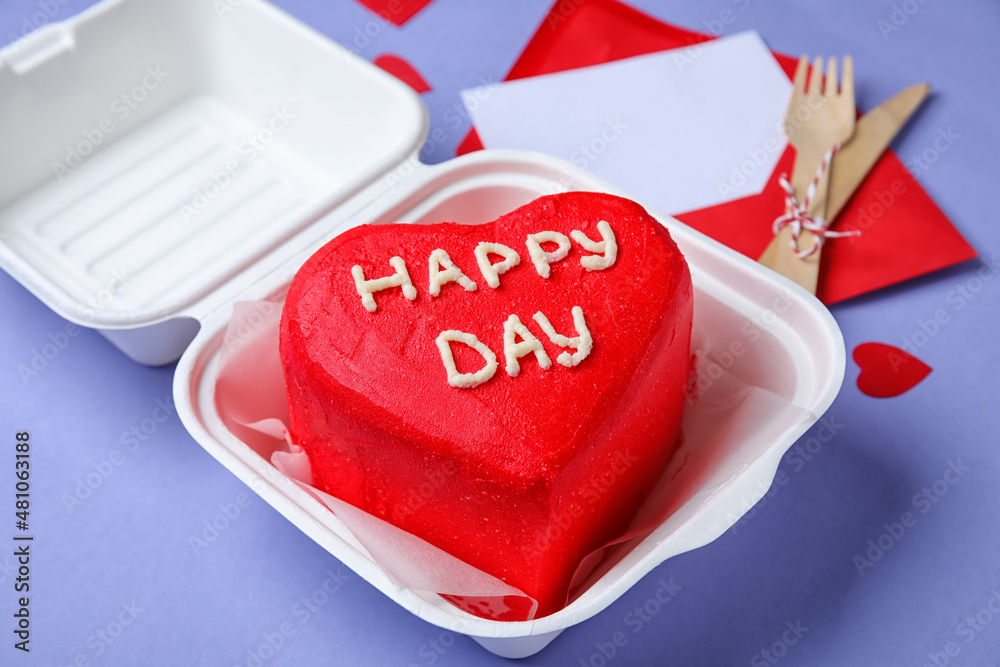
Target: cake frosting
[509,392]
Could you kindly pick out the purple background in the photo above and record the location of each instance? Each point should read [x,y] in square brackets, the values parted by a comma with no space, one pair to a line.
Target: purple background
[790,561]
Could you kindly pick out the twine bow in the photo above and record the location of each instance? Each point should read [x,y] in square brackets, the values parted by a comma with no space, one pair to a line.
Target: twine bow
[797,217]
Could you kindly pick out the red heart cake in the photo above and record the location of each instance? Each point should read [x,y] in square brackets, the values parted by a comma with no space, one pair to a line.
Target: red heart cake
[509,392]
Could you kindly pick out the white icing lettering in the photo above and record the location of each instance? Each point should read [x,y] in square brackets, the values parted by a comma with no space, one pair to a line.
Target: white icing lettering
[582,342]
[491,272]
[451,274]
[540,258]
[465,380]
[367,288]
[606,249]
[512,351]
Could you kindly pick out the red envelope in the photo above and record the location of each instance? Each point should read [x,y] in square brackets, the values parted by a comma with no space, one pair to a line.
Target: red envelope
[904,233]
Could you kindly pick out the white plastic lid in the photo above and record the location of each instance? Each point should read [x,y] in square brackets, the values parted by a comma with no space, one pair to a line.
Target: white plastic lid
[158,148]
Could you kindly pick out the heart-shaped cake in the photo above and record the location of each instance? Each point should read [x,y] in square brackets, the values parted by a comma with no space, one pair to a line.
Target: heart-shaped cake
[509,392]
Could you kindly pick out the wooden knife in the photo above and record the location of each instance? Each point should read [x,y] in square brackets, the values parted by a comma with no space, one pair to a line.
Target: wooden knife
[872,134]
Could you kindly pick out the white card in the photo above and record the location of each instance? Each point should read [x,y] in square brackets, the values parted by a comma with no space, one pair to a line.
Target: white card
[680,130]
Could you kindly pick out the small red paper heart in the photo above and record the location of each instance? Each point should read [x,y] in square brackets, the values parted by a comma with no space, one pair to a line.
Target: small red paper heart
[397,12]
[887,371]
[531,467]
[403,71]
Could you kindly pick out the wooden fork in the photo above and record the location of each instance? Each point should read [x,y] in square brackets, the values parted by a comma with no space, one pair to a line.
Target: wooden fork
[819,117]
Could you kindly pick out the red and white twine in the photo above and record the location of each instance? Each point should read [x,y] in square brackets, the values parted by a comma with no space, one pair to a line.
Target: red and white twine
[796,215]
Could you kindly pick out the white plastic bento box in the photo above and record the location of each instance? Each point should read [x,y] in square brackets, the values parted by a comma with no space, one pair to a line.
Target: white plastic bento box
[173,161]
